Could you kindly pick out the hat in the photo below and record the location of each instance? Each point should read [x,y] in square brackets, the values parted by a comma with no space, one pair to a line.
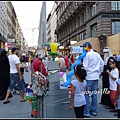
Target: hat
[14,48]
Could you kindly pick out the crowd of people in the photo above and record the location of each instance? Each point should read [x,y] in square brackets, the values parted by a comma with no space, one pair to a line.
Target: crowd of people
[87,74]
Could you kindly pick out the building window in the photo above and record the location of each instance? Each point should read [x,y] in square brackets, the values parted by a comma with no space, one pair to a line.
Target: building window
[94,30]
[115,27]
[84,34]
[93,9]
[115,5]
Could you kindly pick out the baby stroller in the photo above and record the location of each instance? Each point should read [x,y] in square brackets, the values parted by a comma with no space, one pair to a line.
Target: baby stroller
[16,90]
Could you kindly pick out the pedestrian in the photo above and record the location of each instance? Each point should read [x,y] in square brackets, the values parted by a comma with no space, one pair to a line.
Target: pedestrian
[66,62]
[38,65]
[105,99]
[113,77]
[69,61]
[26,61]
[93,65]
[4,74]
[72,59]
[15,75]
[117,96]
[22,64]
[62,62]
[78,89]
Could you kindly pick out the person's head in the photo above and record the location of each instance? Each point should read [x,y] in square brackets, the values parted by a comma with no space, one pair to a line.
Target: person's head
[60,55]
[80,72]
[107,54]
[4,53]
[15,50]
[113,63]
[49,58]
[114,54]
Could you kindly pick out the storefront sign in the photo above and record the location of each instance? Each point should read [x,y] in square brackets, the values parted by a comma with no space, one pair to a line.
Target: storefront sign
[9,45]
[76,49]
[11,40]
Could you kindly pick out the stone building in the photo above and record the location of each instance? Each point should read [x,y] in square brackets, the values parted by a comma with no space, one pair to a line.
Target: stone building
[51,25]
[77,21]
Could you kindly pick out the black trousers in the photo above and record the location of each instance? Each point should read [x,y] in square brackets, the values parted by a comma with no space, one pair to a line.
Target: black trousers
[118,113]
[79,111]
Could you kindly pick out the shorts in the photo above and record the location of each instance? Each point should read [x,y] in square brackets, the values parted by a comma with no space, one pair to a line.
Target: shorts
[15,79]
[26,64]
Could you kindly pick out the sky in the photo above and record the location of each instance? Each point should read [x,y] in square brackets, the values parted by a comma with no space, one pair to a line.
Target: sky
[28,15]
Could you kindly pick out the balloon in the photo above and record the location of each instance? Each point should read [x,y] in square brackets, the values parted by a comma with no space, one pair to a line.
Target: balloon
[53,47]
[71,73]
[61,74]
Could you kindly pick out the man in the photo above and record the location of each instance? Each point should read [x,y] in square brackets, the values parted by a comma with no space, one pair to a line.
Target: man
[93,65]
[15,75]
[36,64]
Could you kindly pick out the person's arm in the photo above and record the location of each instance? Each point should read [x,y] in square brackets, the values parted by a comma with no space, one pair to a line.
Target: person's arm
[101,65]
[86,62]
[72,95]
[61,64]
[117,95]
[114,76]
[17,62]
[44,72]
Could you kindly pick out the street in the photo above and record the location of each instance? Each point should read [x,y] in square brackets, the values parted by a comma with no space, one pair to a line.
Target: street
[17,109]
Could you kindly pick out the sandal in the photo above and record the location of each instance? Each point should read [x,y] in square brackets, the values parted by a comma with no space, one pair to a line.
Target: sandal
[108,107]
[23,100]
[5,102]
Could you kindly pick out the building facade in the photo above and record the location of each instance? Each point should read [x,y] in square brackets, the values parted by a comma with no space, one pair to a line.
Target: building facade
[51,25]
[3,24]
[77,21]
[48,29]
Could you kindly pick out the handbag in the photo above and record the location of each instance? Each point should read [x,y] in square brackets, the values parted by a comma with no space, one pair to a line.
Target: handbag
[63,69]
[22,65]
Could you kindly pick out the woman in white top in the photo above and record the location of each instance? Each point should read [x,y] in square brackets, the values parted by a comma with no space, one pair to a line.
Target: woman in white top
[113,77]
[78,88]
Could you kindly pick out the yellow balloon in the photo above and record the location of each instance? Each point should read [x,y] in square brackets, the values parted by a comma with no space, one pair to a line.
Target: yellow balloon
[53,47]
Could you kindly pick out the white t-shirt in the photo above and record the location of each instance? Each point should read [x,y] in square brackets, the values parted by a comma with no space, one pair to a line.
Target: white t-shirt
[79,98]
[62,60]
[113,84]
[13,60]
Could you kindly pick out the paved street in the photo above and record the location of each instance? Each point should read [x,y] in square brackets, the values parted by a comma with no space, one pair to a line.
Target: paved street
[17,109]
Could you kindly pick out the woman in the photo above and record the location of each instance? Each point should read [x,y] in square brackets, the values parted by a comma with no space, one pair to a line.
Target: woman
[22,64]
[105,99]
[4,75]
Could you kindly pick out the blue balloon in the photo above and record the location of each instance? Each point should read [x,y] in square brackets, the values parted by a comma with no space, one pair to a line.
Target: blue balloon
[47,44]
[71,73]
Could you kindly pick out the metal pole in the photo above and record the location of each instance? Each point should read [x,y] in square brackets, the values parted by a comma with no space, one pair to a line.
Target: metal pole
[40,104]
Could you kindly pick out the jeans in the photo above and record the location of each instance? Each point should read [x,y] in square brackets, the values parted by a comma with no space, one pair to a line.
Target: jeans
[15,79]
[91,91]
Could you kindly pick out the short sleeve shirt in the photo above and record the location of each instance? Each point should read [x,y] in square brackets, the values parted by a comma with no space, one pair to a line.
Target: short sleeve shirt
[79,98]
[113,84]
[13,60]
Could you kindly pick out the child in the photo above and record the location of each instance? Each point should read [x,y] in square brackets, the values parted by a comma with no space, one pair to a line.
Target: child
[117,97]
[113,77]
[78,88]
